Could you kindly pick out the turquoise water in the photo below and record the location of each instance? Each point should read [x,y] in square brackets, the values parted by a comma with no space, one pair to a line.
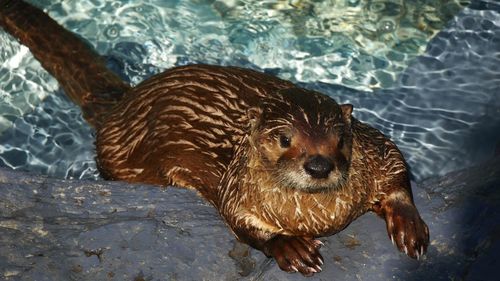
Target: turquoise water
[435,93]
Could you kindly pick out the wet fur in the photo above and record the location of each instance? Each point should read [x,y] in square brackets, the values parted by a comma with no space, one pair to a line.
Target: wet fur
[217,130]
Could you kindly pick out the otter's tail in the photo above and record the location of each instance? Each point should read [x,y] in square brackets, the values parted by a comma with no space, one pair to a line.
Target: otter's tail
[79,70]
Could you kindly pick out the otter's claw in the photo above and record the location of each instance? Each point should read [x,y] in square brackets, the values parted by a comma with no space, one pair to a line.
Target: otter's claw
[294,253]
[406,229]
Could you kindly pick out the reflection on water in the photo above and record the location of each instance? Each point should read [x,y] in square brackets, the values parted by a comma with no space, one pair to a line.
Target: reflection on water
[23,83]
[442,110]
[357,43]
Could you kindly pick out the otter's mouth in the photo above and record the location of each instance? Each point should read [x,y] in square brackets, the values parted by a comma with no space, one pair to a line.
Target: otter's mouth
[299,179]
[315,173]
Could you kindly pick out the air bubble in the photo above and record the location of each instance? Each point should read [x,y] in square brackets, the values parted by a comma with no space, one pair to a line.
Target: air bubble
[112,32]
[386,26]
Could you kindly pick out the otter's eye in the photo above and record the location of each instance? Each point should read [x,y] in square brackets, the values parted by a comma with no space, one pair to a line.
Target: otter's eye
[285,141]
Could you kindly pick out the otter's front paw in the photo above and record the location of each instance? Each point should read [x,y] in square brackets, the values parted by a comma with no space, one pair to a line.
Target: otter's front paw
[293,253]
[406,229]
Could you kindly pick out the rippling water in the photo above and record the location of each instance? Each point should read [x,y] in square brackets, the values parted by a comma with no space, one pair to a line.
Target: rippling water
[442,108]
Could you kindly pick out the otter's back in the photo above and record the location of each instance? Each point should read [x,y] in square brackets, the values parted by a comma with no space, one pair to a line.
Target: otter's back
[180,127]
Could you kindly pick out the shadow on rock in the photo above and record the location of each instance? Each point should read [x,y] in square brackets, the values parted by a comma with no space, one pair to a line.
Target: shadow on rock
[463,213]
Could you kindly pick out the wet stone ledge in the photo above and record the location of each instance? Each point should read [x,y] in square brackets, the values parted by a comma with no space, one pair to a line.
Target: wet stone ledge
[53,229]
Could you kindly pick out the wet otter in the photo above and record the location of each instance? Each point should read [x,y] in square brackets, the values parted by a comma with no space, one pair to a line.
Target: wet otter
[283,165]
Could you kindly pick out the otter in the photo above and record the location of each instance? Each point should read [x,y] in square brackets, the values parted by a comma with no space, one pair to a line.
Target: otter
[283,165]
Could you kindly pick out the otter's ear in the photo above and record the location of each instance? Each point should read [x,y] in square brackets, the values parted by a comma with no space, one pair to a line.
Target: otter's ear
[253,115]
[346,111]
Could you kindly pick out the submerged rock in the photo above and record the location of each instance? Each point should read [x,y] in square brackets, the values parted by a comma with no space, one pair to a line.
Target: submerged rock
[54,229]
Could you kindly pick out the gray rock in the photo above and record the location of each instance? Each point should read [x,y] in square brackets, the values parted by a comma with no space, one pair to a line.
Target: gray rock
[55,229]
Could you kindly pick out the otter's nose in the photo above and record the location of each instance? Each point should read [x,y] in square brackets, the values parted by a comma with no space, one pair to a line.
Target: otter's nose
[318,166]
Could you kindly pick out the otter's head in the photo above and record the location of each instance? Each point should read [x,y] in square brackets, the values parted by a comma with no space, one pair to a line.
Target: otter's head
[303,139]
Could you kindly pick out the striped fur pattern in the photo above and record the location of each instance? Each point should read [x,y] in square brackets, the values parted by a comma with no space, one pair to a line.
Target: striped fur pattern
[180,127]
[193,126]
[243,139]
[256,193]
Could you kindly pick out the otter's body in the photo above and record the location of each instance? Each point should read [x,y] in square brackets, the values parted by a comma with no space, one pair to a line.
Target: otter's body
[315,214]
[283,165]
[186,122]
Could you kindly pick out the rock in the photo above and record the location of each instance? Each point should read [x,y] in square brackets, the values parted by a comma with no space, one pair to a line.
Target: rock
[55,229]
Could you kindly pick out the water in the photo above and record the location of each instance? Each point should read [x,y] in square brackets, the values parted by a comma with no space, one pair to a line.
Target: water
[363,44]
[437,97]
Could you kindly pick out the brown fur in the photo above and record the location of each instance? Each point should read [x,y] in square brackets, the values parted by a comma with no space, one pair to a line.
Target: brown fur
[283,165]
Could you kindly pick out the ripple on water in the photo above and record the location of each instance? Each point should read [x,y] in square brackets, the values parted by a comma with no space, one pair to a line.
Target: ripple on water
[53,139]
[442,110]
[444,113]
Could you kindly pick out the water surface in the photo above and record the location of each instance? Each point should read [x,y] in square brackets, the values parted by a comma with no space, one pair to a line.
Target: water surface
[436,94]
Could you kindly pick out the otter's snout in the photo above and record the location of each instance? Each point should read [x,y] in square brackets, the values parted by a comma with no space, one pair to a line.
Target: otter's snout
[318,166]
